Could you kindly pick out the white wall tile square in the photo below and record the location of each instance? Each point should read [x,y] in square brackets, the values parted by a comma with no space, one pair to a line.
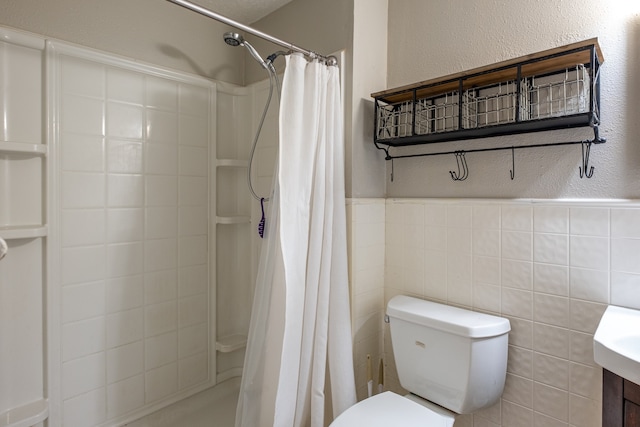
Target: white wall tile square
[625,223]
[517,245]
[161,159]
[125,86]
[552,371]
[125,225]
[83,227]
[82,77]
[625,289]
[551,248]
[161,350]
[551,219]
[193,130]
[161,382]
[124,156]
[551,279]
[83,338]
[125,259]
[124,327]
[86,409]
[82,115]
[83,375]
[83,190]
[83,264]
[517,217]
[83,301]
[589,252]
[192,370]
[125,361]
[161,93]
[551,401]
[125,191]
[517,274]
[590,221]
[124,293]
[82,153]
[625,255]
[125,396]
[124,121]
[162,127]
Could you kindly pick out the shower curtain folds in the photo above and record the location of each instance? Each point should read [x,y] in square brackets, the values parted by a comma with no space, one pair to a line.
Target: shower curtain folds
[300,335]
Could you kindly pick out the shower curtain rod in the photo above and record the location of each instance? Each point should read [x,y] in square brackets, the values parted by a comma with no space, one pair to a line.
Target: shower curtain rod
[330,60]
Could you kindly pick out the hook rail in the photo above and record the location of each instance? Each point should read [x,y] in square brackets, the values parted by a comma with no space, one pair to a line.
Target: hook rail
[463,170]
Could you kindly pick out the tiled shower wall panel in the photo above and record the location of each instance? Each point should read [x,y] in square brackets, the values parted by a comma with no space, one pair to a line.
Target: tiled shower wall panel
[133,206]
[550,267]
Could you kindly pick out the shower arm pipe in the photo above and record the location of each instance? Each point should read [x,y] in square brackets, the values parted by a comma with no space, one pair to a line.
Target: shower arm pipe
[329,60]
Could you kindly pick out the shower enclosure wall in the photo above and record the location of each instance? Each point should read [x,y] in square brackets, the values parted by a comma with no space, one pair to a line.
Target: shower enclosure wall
[132,251]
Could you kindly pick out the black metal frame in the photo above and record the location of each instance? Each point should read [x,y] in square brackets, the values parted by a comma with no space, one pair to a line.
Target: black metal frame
[590,118]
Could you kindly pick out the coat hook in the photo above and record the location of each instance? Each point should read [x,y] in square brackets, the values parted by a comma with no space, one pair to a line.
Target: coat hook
[512,172]
[586,150]
[463,169]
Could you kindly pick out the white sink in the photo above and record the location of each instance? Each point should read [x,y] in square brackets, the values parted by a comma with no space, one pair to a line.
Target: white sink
[616,343]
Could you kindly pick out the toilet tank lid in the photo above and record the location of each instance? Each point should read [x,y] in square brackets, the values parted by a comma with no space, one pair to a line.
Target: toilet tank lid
[446,318]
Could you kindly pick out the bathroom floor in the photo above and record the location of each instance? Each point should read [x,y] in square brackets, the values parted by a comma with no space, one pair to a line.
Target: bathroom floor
[215,407]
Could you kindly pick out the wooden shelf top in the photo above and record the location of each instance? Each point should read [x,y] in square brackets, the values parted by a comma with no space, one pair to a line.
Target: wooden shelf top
[547,61]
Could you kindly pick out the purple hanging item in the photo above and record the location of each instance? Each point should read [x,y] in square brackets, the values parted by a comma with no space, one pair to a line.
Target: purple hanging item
[262,220]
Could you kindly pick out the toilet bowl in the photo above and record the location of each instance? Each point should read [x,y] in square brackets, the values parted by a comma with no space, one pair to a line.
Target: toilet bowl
[453,361]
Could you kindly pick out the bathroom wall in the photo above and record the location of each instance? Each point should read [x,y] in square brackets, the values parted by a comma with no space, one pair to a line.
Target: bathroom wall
[428,39]
[153,31]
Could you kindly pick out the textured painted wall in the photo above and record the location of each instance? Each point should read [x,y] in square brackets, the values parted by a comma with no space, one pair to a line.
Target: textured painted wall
[428,39]
[153,31]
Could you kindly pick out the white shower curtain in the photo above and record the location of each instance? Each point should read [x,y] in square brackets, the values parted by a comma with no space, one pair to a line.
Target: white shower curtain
[299,344]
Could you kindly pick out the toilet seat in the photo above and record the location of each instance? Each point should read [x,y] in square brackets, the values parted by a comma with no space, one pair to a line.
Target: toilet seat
[390,409]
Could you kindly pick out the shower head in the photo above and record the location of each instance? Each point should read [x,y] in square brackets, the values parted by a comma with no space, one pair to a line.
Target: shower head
[235,39]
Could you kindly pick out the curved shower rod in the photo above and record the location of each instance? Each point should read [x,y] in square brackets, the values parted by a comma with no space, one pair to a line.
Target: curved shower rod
[329,60]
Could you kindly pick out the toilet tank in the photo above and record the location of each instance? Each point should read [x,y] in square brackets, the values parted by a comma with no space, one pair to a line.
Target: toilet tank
[450,356]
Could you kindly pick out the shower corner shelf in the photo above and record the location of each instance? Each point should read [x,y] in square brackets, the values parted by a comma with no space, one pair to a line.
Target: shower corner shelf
[553,89]
[23,231]
[231,343]
[232,163]
[232,220]
[23,148]
[26,415]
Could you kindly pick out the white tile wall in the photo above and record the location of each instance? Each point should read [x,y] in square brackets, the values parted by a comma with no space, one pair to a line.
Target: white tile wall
[134,200]
[550,267]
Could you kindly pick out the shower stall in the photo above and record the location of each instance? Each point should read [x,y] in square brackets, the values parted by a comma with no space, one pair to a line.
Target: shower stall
[132,237]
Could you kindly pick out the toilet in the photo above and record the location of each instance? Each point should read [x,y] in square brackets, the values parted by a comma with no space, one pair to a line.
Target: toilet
[452,361]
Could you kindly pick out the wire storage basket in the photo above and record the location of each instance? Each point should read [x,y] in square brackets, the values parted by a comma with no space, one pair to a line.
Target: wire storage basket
[493,105]
[437,114]
[394,120]
[559,94]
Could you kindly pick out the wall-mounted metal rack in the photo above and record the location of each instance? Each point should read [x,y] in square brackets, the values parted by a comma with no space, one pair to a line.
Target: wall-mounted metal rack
[554,89]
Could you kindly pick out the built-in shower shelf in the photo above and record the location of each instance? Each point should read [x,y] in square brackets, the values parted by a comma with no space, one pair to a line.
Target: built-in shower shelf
[235,219]
[232,163]
[231,343]
[23,232]
[23,148]
[228,374]
[25,416]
